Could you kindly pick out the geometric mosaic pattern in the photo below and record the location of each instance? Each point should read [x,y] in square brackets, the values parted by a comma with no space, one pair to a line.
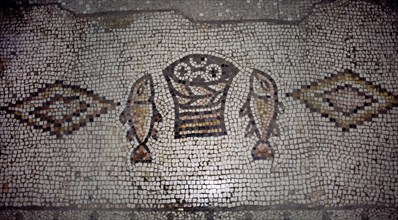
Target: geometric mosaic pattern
[346,99]
[201,176]
[59,109]
[199,84]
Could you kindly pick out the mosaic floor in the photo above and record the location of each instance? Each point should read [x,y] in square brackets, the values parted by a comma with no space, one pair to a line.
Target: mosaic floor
[160,113]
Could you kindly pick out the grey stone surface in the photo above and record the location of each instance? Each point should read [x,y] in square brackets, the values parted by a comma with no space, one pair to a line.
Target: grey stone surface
[287,214]
[221,10]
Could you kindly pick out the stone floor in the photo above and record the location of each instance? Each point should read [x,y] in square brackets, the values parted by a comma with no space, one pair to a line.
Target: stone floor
[249,109]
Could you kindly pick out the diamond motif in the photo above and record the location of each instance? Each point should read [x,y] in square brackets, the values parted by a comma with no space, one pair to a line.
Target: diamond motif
[346,99]
[59,109]
[358,100]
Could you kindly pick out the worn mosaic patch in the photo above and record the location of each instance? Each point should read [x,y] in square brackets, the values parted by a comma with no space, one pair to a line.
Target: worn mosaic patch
[59,109]
[346,99]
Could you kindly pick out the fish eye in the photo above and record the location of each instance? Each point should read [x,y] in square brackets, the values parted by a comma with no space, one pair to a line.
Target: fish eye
[214,72]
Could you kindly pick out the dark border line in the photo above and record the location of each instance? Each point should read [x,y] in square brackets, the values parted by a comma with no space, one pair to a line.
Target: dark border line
[195,209]
[291,207]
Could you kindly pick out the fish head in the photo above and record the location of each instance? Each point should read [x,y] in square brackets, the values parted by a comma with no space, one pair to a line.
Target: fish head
[142,90]
[263,86]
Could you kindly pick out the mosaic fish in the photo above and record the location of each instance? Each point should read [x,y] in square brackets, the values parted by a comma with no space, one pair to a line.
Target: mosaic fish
[261,107]
[141,114]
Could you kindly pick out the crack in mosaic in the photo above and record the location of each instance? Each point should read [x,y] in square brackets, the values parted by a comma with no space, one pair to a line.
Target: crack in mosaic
[141,114]
[199,84]
[59,109]
[260,107]
[346,99]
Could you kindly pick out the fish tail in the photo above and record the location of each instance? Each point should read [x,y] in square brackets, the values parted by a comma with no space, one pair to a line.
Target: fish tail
[262,150]
[141,154]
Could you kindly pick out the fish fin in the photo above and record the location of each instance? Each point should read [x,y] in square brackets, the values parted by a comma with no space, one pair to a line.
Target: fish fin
[245,109]
[130,135]
[262,150]
[154,134]
[157,116]
[280,108]
[141,154]
[250,129]
[275,130]
[123,117]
